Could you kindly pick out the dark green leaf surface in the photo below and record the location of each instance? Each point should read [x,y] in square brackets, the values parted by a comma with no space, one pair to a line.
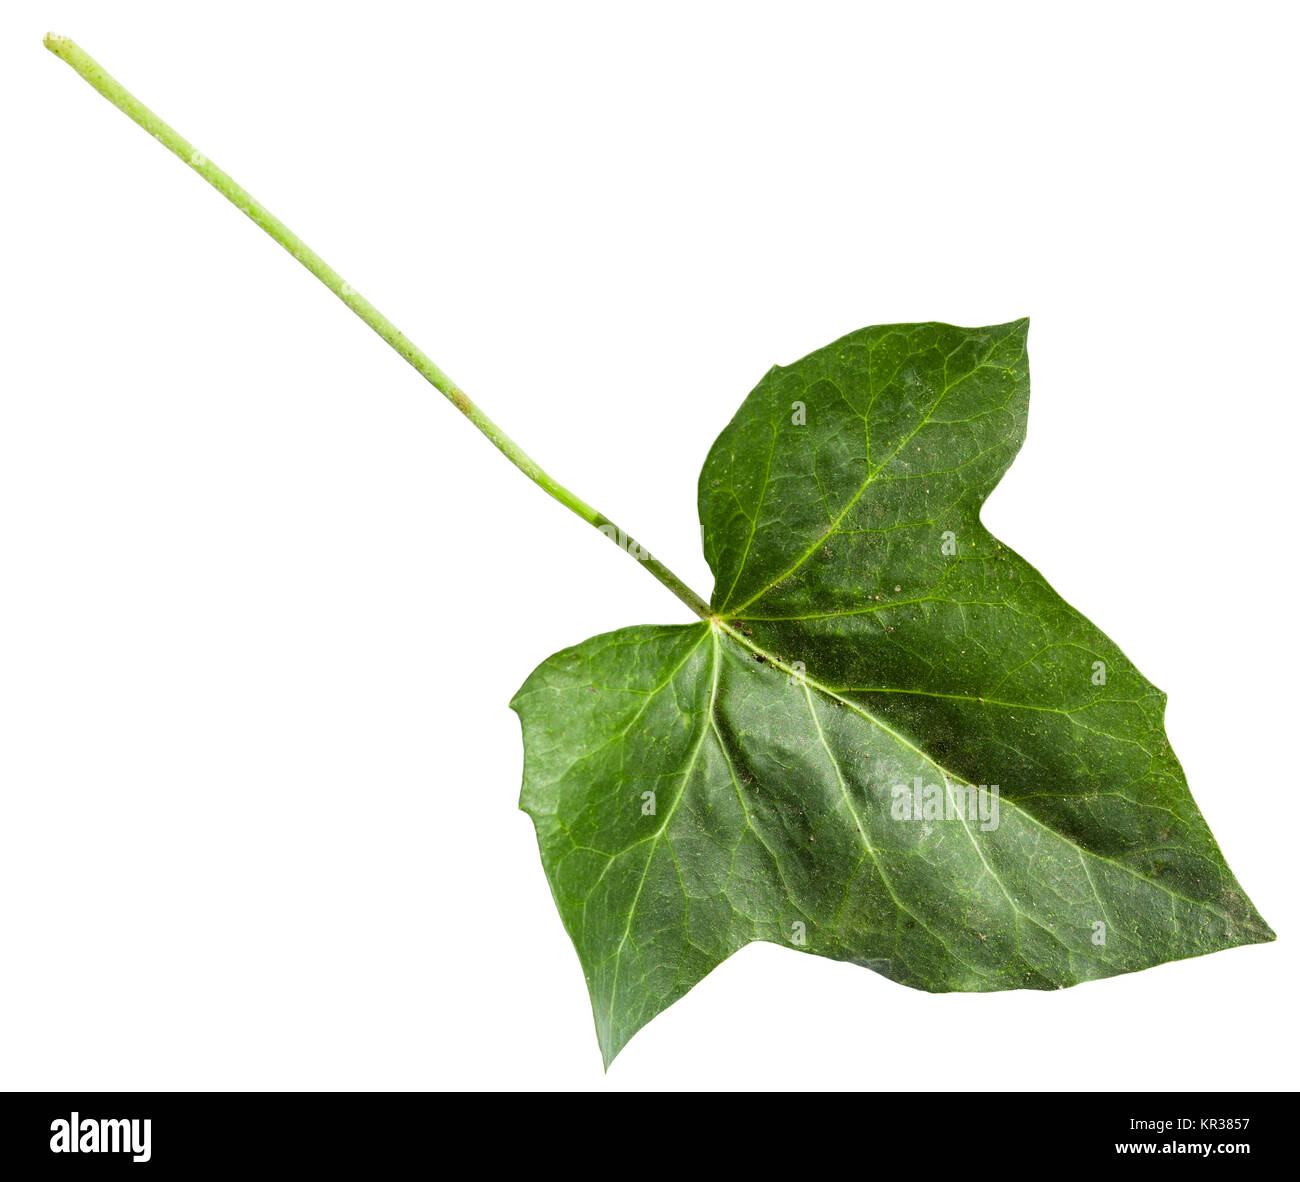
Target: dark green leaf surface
[753,777]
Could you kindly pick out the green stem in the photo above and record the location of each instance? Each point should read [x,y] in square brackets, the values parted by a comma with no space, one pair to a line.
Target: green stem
[129,105]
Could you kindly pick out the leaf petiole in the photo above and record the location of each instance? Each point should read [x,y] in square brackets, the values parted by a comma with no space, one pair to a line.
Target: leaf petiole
[129,105]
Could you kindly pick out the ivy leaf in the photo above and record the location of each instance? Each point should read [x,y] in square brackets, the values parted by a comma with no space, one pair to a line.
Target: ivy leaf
[888,742]
[892,744]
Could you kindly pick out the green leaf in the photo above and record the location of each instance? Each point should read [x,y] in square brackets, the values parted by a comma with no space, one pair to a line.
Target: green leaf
[889,742]
[893,744]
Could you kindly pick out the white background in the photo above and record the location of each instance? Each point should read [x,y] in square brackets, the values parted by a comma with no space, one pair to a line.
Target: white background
[265,595]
